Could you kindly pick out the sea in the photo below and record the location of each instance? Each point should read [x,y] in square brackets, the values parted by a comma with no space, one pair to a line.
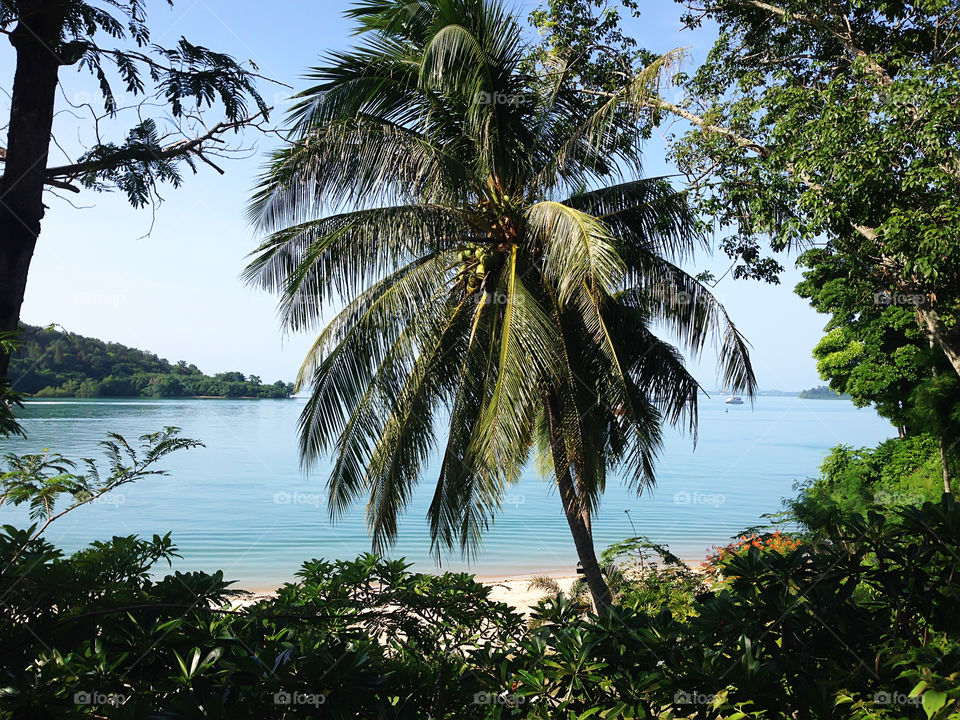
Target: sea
[243,505]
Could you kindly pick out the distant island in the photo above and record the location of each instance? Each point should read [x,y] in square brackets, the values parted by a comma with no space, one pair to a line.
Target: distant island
[55,364]
[719,392]
[822,393]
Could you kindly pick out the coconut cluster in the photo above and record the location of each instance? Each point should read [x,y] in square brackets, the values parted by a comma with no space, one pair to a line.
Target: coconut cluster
[478,261]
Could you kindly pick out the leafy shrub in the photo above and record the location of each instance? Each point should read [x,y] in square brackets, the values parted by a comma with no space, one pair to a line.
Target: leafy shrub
[99,634]
[859,623]
[775,542]
[645,576]
[363,638]
[898,472]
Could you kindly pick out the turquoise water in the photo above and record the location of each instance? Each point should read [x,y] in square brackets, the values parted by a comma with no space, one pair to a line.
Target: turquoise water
[242,505]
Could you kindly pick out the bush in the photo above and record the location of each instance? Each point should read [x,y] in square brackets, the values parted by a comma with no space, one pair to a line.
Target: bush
[861,623]
[899,472]
[94,635]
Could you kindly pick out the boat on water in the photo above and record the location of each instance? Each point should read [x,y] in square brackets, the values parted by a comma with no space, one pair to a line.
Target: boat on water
[734,400]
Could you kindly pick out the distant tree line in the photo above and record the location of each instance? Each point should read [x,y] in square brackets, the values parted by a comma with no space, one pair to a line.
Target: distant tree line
[822,392]
[51,363]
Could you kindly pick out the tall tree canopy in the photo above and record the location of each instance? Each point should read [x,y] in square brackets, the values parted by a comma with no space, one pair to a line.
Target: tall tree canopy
[880,356]
[170,90]
[825,120]
[840,122]
[501,264]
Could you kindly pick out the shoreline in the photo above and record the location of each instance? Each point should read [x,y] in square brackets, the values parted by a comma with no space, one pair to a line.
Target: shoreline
[512,589]
[261,588]
[34,398]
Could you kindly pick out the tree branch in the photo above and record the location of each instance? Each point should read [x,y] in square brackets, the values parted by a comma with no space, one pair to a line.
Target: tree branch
[660,104]
[179,149]
[62,185]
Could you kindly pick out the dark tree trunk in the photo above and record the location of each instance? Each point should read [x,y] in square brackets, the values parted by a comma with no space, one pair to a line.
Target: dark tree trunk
[578,517]
[36,39]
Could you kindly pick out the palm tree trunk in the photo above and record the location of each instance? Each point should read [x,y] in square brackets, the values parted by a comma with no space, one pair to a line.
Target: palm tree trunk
[583,541]
[25,166]
[578,517]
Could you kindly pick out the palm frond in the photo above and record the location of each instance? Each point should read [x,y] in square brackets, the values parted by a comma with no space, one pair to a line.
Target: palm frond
[579,249]
[357,162]
[648,213]
[527,351]
[311,263]
[687,308]
[458,513]
[408,435]
[610,132]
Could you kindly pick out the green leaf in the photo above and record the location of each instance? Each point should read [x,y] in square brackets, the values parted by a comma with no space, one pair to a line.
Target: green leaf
[933,700]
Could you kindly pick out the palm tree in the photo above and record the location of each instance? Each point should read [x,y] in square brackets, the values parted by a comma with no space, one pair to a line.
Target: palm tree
[499,290]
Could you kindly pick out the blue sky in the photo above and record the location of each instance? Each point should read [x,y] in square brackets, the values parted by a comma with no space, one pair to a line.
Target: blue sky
[178,293]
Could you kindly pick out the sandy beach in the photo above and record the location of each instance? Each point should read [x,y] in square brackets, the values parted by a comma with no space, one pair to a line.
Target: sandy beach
[513,590]
[516,592]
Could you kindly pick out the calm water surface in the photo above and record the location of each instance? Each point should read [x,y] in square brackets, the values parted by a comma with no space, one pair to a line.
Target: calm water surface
[242,505]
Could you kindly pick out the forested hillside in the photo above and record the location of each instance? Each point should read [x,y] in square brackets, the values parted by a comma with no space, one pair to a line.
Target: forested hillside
[51,363]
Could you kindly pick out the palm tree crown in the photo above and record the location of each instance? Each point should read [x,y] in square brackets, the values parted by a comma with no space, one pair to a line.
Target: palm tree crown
[500,267]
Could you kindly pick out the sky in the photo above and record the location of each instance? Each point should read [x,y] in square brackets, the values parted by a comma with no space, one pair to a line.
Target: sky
[169,281]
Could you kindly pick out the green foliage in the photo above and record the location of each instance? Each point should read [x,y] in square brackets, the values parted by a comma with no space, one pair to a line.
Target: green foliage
[112,42]
[879,356]
[363,638]
[9,399]
[899,472]
[834,629]
[838,121]
[860,623]
[857,621]
[874,350]
[101,634]
[590,31]
[52,363]
[822,392]
[645,576]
